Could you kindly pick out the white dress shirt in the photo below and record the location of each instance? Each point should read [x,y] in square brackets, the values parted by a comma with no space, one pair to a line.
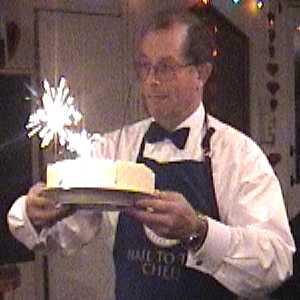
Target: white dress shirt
[249,250]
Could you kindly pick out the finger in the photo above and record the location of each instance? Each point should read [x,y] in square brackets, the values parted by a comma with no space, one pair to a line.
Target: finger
[167,195]
[65,210]
[37,188]
[154,204]
[40,217]
[159,223]
[40,201]
[162,231]
[146,217]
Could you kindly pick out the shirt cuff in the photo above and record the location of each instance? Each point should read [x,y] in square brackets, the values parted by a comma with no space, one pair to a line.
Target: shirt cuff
[20,225]
[216,245]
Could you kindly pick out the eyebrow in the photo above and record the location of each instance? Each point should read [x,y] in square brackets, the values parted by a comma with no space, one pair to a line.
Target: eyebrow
[163,59]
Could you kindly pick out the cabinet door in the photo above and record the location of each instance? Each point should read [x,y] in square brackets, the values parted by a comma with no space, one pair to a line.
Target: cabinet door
[293,79]
[88,50]
[83,6]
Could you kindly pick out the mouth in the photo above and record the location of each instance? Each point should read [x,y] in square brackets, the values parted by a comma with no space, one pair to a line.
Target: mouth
[157,96]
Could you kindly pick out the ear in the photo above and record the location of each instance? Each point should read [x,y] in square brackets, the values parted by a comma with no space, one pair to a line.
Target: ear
[204,71]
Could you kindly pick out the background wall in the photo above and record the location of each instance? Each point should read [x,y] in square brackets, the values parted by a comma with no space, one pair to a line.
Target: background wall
[65,275]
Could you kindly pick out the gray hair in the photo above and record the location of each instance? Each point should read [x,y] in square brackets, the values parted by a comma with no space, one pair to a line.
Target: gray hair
[200,43]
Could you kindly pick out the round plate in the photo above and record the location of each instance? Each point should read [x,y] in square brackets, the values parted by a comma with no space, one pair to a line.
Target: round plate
[100,198]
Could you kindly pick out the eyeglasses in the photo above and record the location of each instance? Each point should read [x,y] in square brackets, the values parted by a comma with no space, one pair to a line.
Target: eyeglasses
[162,71]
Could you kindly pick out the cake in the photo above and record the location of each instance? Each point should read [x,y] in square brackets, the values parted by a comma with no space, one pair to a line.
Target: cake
[98,173]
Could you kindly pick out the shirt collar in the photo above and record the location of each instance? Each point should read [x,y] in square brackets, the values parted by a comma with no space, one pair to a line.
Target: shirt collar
[196,120]
[162,151]
[196,124]
[197,129]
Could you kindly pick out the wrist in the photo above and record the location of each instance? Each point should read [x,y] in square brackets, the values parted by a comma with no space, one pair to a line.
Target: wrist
[196,239]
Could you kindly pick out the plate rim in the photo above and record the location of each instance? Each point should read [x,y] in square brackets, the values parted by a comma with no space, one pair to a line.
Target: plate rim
[96,189]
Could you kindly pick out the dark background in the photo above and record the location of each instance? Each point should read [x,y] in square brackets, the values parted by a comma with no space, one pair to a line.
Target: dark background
[226,94]
[15,159]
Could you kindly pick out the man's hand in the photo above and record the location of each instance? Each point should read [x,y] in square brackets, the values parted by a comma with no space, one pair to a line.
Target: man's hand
[41,210]
[168,214]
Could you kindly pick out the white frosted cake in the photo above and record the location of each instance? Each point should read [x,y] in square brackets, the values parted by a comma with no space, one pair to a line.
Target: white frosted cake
[97,173]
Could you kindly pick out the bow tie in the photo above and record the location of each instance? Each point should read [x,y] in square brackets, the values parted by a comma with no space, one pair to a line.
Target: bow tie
[156,133]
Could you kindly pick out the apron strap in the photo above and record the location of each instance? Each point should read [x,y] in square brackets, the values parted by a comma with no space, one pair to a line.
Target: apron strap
[206,146]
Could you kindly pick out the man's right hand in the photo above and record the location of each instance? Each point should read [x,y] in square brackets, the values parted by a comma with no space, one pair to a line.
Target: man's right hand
[43,211]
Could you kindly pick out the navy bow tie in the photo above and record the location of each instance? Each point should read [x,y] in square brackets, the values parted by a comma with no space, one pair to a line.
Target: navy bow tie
[156,133]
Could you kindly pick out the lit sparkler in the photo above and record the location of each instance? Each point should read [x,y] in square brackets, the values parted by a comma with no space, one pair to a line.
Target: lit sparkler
[55,116]
[82,142]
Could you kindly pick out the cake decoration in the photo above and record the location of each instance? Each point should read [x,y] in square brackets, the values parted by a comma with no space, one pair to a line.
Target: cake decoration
[56,119]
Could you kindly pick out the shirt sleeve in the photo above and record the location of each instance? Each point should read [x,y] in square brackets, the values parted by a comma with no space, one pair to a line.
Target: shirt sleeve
[250,251]
[68,235]
[71,233]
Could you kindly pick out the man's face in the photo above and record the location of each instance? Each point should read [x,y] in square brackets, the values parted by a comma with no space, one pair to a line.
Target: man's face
[172,89]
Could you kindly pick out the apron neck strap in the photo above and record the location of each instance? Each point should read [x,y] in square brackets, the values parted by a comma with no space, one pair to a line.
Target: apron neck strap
[209,131]
[206,146]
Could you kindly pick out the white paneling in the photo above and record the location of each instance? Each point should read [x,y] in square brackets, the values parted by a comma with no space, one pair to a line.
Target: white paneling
[88,274]
[22,13]
[89,51]
[291,36]
[86,6]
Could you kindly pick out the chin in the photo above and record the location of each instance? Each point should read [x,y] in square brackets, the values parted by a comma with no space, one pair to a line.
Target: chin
[159,116]
[163,121]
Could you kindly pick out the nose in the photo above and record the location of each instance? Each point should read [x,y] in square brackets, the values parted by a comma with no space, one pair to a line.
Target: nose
[152,77]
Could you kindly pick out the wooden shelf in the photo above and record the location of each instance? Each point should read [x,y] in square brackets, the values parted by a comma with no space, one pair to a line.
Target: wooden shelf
[15,71]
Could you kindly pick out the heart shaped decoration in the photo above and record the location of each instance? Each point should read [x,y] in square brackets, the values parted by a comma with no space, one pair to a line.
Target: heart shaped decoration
[273,87]
[280,7]
[274,158]
[272,68]
[273,104]
[271,18]
[272,35]
[271,51]
[13,38]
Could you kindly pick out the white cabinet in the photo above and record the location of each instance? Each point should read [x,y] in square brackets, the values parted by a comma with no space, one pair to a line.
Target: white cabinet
[82,6]
[89,51]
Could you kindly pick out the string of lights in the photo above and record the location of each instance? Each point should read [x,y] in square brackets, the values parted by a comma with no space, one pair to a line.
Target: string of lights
[259,3]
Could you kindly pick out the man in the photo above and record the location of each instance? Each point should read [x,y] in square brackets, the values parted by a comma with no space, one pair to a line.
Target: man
[201,236]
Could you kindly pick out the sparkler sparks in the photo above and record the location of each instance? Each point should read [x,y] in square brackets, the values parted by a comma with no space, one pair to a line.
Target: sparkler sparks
[55,116]
[82,142]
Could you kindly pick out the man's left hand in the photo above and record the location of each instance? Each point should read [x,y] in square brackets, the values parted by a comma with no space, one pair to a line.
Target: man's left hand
[168,214]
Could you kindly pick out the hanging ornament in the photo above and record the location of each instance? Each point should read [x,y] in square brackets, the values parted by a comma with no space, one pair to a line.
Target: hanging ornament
[271,19]
[273,104]
[272,68]
[272,35]
[272,51]
[279,7]
[13,38]
[273,87]
[274,158]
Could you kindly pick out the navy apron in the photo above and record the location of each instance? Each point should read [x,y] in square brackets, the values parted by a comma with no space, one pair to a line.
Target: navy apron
[145,271]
